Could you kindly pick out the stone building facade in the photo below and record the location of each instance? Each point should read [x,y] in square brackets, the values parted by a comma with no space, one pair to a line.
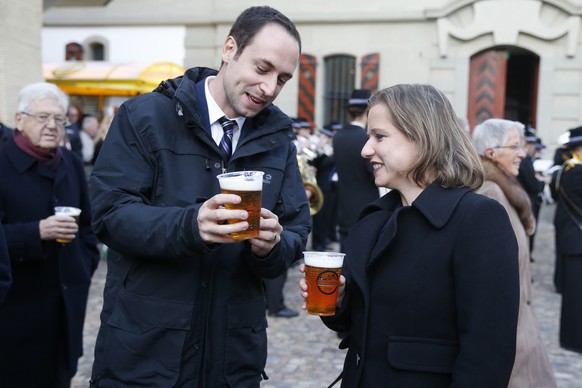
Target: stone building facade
[519,59]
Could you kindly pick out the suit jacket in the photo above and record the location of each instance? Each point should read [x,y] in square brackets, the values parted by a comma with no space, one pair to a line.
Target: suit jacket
[532,185]
[432,293]
[356,187]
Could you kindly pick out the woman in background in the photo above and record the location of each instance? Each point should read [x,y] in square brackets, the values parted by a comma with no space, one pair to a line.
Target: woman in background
[500,144]
[100,138]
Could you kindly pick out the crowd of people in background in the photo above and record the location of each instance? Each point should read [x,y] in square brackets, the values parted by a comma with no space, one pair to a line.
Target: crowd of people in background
[405,138]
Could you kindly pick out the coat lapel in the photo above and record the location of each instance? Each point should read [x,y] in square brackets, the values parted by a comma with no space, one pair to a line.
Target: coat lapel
[364,240]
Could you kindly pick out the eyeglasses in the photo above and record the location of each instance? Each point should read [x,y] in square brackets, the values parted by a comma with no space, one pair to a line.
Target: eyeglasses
[44,118]
[514,148]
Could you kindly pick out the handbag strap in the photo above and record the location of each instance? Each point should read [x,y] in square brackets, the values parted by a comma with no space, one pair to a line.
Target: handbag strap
[336,380]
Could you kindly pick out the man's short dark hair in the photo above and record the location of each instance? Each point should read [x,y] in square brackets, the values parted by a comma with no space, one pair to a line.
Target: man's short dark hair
[253,19]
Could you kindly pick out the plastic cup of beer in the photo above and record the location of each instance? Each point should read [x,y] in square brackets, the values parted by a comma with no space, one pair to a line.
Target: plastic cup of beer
[322,274]
[70,211]
[248,185]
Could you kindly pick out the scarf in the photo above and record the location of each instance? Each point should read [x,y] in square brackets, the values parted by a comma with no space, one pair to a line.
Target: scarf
[514,192]
[51,157]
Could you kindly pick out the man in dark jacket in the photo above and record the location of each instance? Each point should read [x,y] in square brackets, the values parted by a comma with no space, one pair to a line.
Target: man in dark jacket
[528,178]
[355,184]
[567,190]
[184,303]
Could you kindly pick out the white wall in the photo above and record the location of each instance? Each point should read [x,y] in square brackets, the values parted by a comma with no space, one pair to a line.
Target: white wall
[125,44]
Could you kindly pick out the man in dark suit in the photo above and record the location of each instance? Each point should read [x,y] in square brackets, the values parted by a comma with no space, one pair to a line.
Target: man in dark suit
[528,179]
[355,185]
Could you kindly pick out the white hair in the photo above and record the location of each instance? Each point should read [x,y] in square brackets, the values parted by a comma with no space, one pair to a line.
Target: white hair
[493,133]
[41,91]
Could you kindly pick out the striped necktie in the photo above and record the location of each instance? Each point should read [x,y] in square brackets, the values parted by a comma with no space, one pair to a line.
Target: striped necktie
[228,127]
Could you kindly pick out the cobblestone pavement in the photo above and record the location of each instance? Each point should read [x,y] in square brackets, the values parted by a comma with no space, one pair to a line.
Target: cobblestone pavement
[303,353]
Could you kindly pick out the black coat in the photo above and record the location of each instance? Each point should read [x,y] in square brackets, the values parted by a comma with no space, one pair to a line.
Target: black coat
[323,221]
[432,293]
[356,187]
[179,312]
[567,183]
[5,274]
[5,133]
[568,233]
[45,306]
[531,184]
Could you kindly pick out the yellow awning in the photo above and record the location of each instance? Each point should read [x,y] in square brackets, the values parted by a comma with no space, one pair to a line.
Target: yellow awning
[98,78]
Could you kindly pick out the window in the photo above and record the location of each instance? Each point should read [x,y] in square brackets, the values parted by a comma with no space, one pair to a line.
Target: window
[340,75]
[96,48]
[73,52]
[96,51]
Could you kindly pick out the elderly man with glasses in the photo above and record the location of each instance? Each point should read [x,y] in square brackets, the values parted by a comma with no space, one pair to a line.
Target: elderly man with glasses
[41,319]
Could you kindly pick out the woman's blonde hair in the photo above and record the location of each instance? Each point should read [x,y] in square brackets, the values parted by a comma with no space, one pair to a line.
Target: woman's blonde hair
[426,117]
[103,129]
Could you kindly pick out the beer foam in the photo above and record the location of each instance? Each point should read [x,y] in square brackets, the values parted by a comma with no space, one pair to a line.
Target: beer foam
[242,182]
[323,259]
[67,211]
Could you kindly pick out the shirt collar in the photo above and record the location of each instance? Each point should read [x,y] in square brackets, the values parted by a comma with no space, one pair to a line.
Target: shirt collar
[214,111]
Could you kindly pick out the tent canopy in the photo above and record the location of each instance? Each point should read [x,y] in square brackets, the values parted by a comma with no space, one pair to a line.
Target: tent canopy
[98,78]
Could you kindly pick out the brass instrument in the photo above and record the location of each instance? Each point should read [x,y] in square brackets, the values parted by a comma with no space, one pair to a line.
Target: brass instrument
[306,151]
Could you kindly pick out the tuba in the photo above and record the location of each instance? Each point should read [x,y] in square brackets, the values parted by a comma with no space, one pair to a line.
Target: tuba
[306,152]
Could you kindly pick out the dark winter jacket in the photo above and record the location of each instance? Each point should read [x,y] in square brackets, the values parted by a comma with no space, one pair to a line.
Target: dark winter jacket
[178,312]
[567,183]
[432,293]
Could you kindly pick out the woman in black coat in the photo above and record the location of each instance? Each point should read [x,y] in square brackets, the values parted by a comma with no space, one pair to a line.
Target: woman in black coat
[431,272]
[41,319]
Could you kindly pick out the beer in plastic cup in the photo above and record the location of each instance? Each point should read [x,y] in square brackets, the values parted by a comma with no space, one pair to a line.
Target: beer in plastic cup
[248,185]
[322,274]
[67,211]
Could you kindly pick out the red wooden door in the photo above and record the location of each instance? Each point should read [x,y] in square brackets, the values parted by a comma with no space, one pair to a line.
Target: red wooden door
[487,78]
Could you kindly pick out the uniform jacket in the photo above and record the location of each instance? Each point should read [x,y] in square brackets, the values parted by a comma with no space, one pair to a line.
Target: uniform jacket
[532,366]
[356,187]
[178,312]
[568,233]
[46,274]
[432,293]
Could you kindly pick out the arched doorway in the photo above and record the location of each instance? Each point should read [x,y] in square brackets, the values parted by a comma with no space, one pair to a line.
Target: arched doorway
[503,82]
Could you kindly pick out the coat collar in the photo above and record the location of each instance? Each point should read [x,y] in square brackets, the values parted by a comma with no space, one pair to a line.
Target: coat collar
[23,162]
[435,203]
